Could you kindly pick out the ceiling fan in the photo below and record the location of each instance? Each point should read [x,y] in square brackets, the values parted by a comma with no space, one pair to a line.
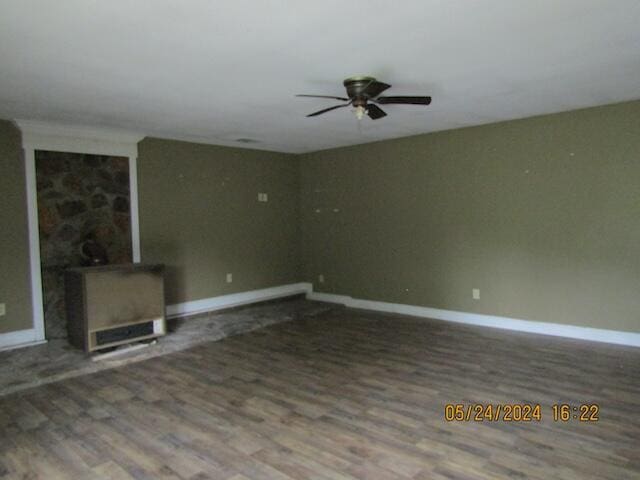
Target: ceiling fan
[364,94]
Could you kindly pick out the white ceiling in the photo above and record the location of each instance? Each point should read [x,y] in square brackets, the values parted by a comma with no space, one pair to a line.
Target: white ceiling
[214,71]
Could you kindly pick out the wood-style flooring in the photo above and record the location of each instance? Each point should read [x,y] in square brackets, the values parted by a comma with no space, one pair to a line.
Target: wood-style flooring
[348,394]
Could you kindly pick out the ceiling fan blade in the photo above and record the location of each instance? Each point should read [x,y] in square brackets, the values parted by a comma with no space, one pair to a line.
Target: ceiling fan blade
[319,112]
[404,100]
[375,88]
[375,112]
[325,96]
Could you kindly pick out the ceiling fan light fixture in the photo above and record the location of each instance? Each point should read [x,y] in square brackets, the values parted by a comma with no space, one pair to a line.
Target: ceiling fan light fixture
[359,112]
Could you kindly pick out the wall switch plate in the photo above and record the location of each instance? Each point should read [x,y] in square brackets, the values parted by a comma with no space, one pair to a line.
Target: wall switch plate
[321,278]
[229,277]
[3,309]
[263,197]
[476,293]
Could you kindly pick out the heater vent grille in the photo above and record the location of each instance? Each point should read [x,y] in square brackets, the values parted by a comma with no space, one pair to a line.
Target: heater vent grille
[128,332]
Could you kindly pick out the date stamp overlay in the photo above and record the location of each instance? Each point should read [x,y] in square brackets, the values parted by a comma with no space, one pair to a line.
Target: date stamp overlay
[520,412]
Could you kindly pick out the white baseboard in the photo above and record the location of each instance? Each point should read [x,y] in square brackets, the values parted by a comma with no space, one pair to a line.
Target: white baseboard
[506,323]
[236,299]
[19,339]
[26,338]
[330,298]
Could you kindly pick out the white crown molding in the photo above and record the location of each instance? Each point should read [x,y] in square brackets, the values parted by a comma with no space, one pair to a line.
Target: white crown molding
[236,299]
[505,323]
[35,128]
[38,135]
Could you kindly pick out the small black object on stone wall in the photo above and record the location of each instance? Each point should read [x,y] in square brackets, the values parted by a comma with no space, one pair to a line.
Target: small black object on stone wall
[94,254]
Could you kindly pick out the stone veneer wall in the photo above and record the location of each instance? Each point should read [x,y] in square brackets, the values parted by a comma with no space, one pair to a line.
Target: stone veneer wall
[79,195]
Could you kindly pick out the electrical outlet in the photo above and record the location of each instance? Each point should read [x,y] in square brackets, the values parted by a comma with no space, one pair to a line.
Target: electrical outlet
[476,293]
[321,278]
[3,309]
[229,277]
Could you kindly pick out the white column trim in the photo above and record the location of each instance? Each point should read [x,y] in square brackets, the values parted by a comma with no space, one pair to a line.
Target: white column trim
[133,205]
[37,305]
[75,139]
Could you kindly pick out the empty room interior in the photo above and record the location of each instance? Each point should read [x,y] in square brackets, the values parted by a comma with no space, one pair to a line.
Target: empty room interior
[246,240]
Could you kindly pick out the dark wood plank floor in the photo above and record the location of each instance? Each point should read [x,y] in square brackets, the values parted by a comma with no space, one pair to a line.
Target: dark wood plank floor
[349,394]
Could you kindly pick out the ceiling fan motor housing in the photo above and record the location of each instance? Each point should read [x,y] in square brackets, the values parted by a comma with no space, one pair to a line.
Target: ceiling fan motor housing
[356,87]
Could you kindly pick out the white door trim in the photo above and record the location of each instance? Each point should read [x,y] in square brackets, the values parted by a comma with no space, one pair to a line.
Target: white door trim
[75,139]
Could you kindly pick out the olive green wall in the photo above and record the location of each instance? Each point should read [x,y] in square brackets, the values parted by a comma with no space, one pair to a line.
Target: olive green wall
[200,215]
[15,289]
[542,215]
